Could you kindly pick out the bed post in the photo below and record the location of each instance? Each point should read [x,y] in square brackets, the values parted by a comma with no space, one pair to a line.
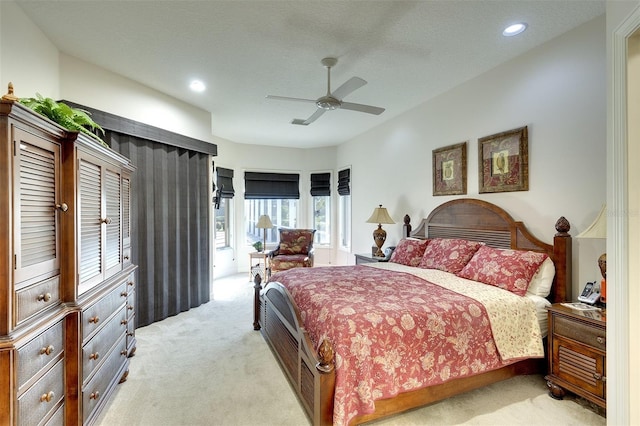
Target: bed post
[257,281]
[562,257]
[406,228]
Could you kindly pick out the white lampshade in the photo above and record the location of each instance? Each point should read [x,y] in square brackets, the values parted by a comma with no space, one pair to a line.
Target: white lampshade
[264,222]
[380,215]
[598,229]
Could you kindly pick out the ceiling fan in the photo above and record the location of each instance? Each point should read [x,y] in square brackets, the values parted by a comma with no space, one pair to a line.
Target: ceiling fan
[332,100]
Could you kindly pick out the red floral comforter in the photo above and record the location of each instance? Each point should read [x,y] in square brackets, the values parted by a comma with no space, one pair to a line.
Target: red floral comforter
[391,331]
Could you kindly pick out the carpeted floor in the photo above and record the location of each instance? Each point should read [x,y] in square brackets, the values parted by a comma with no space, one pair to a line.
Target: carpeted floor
[208,367]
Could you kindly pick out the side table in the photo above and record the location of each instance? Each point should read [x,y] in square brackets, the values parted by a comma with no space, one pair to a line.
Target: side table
[260,267]
[368,258]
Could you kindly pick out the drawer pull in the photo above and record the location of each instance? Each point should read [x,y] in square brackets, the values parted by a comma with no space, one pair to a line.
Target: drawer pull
[124,353]
[130,334]
[123,322]
[94,395]
[125,257]
[47,397]
[94,355]
[94,320]
[63,207]
[47,351]
[124,294]
[44,297]
[130,283]
[130,308]
[601,340]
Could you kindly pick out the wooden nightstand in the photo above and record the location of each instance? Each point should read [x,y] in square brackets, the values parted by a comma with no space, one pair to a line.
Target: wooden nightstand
[261,266]
[577,353]
[368,258]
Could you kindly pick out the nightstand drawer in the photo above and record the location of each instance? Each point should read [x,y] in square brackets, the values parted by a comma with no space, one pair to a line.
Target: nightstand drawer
[579,366]
[581,332]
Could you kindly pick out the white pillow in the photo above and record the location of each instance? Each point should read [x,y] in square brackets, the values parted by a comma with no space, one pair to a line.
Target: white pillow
[540,284]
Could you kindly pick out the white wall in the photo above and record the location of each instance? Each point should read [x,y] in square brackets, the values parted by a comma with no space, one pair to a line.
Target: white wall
[558,90]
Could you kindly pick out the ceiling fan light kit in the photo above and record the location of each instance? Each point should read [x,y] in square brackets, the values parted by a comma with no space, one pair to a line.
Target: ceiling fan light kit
[332,101]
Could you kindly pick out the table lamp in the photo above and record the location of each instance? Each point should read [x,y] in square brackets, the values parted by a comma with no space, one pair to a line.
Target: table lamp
[264,223]
[598,229]
[380,216]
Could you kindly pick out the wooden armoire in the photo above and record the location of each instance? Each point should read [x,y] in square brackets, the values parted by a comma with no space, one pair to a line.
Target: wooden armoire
[67,282]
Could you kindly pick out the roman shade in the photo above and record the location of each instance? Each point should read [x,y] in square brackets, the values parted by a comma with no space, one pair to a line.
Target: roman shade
[264,186]
[320,184]
[344,181]
[225,182]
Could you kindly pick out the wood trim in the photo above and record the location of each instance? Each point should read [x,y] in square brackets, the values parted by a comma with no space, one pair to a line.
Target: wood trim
[130,127]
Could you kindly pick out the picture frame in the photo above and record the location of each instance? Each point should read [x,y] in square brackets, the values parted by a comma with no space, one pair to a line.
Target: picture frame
[450,170]
[503,161]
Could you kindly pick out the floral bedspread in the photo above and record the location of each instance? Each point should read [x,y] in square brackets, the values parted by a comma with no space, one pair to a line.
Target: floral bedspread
[393,331]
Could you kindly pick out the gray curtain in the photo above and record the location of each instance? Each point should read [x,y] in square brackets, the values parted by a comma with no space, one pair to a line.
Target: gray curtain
[170,239]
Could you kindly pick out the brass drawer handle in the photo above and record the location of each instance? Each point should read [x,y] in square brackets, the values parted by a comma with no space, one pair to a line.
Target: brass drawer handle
[124,294]
[94,395]
[601,340]
[130,334]
[44,297]
[47,351]
[598,376]
[94,356]
[94,320]
[123,322]
[47,397]
[130,283]
[124,353]
[130,308]
[125,257]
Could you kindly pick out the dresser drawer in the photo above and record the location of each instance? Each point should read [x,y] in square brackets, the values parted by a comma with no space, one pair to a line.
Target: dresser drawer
[95,392]
[57,419]
[95,315]
[36,298]
[43,397]
[94,351]
[42,350]
[581,332]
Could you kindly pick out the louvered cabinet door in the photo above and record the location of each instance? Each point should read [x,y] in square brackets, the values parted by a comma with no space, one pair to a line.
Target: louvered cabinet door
[113,222]
[90,237]
[36,176]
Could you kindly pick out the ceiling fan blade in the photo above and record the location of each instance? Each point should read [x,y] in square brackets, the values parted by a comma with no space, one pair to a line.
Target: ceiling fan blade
[349,86]
[362,108]
[285,98]
[309,120]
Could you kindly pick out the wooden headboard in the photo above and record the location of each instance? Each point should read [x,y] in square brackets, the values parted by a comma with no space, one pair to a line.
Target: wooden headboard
[479,220]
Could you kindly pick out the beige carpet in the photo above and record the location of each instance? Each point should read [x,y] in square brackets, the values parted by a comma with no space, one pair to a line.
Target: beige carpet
[208,367]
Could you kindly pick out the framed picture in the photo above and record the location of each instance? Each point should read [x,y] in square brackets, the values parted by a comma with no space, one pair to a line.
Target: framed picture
[450,170]
[503,161]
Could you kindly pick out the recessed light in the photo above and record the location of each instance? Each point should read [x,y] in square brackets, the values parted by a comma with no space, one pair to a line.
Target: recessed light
[197,86]
[514,29]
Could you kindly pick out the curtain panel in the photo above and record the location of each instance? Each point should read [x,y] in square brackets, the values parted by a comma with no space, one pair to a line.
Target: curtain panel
[170,220]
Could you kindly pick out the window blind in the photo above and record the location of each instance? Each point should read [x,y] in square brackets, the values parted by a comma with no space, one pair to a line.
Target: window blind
[344,181]
[225,182]
[320,184]
[261,186]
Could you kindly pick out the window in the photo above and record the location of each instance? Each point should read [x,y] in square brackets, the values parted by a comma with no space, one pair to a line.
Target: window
[321,204]
[273,194]
[344,208]
[222,201]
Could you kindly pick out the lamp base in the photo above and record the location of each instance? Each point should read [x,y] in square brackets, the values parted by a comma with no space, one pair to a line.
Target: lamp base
[379,237]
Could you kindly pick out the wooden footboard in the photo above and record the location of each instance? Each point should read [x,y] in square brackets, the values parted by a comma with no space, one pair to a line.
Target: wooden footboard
[310,372]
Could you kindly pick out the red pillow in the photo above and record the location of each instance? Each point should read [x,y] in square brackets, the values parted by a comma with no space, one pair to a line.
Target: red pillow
[448,254]
[510,270]
[409,252]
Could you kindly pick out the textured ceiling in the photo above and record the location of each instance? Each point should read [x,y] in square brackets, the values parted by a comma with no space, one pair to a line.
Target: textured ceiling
[407,51]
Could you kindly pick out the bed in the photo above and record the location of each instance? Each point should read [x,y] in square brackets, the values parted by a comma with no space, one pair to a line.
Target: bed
[315,360]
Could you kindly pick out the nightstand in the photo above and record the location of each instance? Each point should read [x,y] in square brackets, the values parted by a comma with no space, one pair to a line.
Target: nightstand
[577,353]
[261,267]
[368,258]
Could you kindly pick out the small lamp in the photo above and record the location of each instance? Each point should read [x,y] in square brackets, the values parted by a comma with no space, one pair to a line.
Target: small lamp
[380,216]
[598,229]
[264,222]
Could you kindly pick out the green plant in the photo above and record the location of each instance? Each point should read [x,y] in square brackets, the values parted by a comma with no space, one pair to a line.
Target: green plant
[74,119]
[257,245]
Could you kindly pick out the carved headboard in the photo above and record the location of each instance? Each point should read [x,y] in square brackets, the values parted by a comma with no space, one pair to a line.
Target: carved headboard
[479,220]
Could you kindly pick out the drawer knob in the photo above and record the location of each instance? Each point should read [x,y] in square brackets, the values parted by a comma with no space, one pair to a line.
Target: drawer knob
[123,322]
[94,395]
[130,334]
[601,340]
[124,353]
[94,356]
[47,351]
[130,308]
[94,320]
[44,297]
[130,283]
[125,257]
[47,397]
[124,294]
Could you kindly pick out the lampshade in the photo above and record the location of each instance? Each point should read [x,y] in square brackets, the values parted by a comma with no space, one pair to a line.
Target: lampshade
[264,222]
[380,215]
[598,229]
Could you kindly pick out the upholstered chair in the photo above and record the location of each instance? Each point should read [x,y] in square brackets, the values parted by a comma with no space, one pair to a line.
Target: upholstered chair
[294,250]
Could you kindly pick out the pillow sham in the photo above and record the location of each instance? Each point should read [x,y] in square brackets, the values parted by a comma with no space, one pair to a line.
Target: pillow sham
[409,251]
[542,280]
[510,270]
[448,254]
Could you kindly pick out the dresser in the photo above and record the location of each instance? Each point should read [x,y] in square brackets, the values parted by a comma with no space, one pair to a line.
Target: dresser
[67,283]
[577,353]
